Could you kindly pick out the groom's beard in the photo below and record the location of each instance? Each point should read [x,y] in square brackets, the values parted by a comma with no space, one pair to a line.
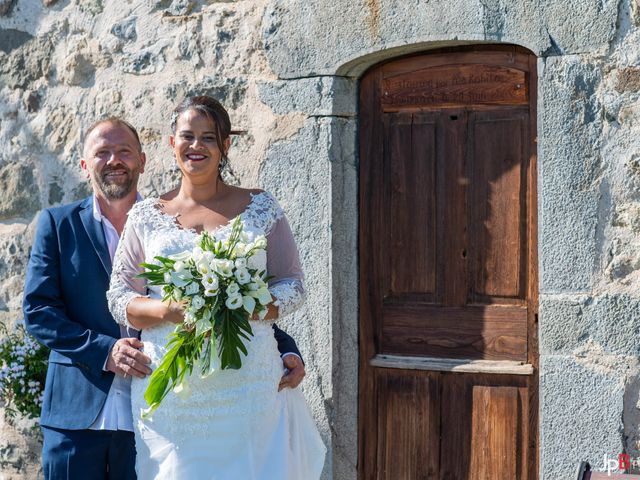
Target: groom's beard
[115,188]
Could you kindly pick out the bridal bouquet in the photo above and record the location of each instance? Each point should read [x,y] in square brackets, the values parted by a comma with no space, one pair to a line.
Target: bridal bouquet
[221,284]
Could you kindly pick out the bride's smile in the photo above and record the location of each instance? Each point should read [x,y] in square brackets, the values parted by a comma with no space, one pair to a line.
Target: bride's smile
[195,145]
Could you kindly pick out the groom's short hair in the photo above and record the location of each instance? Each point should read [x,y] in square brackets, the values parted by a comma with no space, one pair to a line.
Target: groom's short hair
[116,121]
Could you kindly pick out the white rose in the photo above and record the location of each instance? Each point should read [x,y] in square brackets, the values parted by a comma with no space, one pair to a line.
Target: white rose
[196,253]
[224,268]
[240,262]
[258,261]
[246,236]
[197,303]
[210,281]
[203,267]
[210,293]
[234,302]
[243,276]
[260,242]
[240,250]
[233,289]
[189,317]
[192,288]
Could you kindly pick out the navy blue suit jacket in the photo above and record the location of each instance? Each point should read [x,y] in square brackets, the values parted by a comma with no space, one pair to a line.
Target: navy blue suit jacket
[65,308]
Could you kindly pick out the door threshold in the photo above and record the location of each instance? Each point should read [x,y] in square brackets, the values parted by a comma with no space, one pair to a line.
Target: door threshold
[457,365]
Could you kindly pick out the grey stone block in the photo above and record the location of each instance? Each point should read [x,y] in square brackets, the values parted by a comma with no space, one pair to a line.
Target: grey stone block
[337,33]
[611,321]
[570,173]
[580,416]
[313,96]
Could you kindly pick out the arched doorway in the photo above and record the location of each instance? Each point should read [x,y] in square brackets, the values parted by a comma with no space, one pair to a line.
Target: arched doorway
[448,266]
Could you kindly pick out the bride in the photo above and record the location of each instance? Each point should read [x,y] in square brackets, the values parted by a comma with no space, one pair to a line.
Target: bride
[234,423]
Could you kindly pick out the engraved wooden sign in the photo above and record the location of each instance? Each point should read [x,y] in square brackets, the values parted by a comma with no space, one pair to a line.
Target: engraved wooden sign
[454,85]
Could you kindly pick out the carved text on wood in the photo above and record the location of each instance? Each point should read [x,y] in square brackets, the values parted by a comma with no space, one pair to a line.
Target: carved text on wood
[454,85]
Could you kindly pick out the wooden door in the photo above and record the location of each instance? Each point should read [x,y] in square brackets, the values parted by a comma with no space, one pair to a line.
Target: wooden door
[448,271]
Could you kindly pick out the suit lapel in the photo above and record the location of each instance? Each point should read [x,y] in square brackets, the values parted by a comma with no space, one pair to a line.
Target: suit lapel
[96,235]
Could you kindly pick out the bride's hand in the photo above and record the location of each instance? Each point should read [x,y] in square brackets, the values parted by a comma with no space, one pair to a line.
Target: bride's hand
[175,311]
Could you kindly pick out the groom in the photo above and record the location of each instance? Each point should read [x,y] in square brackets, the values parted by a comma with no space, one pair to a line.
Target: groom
[86,419]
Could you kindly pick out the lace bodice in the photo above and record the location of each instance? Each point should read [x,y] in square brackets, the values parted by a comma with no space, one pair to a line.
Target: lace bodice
[150,232]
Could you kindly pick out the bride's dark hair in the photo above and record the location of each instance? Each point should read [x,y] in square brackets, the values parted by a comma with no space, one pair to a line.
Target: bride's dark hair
[214,111]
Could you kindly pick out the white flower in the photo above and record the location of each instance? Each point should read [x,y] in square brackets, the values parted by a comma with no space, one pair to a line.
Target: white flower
[210,293]
[196,253]
[246,237]
[192,288]
[179,266]
[183,391]
[203,266]
[240,250]
[197,303]
[258,260]
[167,277]
[224,268]
[260,242]
[189,317]
[243,276]
[210,281]
[248,303]
[233,289]
[234,302]
[241,262]
[177,294]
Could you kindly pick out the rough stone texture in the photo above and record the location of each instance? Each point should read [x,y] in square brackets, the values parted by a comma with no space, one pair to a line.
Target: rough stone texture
[318,96]
[594,396]
[288,71]
[335,35]
[569,172]
[18,196]
[613,322]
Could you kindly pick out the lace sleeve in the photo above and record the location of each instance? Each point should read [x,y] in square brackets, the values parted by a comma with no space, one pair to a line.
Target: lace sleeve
[125,285]
[283,264]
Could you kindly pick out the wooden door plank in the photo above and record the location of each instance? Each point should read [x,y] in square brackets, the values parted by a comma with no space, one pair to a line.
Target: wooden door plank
[480,332]
[498,216]
[454,184]
[409,425]
[494,433]
[410,159]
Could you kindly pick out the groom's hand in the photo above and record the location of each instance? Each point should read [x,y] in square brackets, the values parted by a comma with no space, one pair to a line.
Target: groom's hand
[296,372]
[125,358]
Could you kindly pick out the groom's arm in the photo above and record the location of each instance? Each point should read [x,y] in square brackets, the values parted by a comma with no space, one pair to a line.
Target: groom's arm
[44,310]
[286,344]
[291,359]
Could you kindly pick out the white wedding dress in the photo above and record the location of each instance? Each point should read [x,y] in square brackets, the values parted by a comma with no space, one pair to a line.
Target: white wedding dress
[233,424]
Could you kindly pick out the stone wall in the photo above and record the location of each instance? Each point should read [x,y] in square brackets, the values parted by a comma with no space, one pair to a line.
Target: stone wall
[288,71]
